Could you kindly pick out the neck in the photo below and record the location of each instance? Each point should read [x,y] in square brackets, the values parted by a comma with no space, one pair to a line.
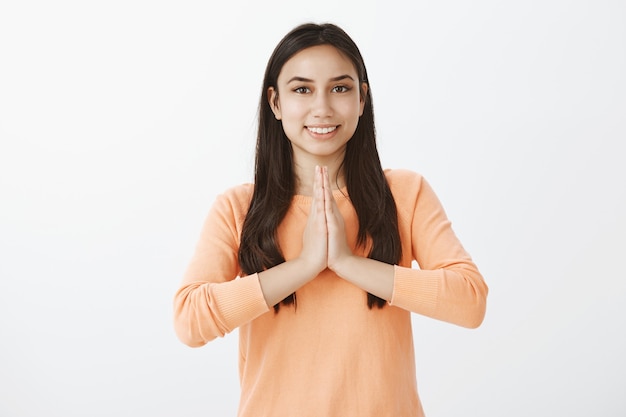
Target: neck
[305,171]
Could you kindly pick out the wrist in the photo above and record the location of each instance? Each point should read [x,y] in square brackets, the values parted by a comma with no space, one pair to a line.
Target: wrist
[373,276]
[306,268]
[342,265]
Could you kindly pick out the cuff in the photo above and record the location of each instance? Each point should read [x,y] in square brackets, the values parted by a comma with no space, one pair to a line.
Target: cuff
[241,300]
[416,290]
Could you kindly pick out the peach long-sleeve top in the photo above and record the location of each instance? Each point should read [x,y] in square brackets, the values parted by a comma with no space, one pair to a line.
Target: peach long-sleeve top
[332,355]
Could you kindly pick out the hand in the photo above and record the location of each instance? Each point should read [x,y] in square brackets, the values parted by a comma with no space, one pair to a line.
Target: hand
[324,241]
[315,239]
[338,249]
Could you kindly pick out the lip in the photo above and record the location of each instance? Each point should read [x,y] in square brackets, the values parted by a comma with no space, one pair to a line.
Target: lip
[319,135]
[322,125]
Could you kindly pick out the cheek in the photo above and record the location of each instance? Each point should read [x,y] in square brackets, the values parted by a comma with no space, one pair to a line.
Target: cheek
[350,108]
[292,109]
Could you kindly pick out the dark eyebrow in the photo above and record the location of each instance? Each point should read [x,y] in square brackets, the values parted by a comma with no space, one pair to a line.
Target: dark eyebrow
[342,77]
[308,80]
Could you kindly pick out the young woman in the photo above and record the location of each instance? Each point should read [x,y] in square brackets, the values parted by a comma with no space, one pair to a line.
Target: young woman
[313,262]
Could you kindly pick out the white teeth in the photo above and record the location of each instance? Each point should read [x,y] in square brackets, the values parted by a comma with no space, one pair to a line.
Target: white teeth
[322,130]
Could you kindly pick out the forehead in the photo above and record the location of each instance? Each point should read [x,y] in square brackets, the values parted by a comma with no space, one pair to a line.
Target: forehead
[318,63]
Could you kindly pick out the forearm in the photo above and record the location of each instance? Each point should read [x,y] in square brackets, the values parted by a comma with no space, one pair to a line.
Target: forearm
[284,279]
[373,276]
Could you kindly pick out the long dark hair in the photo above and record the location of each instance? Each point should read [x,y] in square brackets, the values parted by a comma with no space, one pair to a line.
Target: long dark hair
[275,181]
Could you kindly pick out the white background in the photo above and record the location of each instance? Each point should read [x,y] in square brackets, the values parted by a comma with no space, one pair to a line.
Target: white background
[120,121]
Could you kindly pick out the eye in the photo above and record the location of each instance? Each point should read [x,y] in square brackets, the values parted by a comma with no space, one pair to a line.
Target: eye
[302,90]
[341,89]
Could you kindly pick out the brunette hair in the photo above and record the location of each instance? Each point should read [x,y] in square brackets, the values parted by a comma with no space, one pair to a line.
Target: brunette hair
[275,182]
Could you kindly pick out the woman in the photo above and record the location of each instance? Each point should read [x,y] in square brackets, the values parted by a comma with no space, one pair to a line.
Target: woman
[313,262]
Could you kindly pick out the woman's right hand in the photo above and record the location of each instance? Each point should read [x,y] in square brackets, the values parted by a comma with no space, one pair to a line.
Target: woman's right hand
[284,279]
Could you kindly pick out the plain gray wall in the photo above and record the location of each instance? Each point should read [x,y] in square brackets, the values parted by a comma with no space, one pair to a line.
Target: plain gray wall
[120,122]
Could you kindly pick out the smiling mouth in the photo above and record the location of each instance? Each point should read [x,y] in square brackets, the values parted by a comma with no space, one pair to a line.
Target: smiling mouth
[322,130]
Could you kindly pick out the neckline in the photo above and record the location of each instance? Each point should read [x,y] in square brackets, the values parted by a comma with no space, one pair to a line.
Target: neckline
[339,195]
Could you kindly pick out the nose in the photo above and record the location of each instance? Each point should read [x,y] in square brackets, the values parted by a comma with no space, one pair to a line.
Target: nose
[322,106]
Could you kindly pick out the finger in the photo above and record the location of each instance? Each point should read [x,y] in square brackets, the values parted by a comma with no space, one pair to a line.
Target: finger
[320,208]
[328,193]
[317,187]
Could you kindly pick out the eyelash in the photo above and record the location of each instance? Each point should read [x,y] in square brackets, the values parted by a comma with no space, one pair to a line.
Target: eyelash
[304,90]
[345,88]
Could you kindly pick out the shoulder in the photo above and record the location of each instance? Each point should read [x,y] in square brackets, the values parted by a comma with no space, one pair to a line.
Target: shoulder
[410,189]
[234,200]
[240,193]
[403,180]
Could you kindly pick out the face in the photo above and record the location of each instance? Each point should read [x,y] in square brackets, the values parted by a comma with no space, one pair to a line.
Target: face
[319,102]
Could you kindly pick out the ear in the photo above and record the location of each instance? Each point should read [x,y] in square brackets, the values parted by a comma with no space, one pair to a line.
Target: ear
[272,98]
[363,97]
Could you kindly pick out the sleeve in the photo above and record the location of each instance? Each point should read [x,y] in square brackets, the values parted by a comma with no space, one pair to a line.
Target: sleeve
[212,299]
[447,286]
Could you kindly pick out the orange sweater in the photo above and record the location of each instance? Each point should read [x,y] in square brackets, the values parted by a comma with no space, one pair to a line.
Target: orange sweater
[331,356]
